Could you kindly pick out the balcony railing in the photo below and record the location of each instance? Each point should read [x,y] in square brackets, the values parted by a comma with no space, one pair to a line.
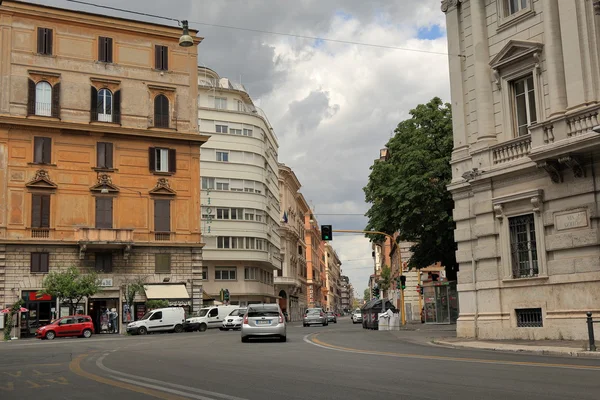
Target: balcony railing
[512,150]
[100,235]
[161,121]
[162,236]
[40,233]
[99,116]
[583,123]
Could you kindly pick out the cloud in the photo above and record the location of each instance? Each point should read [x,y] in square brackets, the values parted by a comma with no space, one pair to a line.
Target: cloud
[332,105]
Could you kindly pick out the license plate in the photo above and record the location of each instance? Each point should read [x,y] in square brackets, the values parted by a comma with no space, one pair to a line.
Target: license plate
[263,322]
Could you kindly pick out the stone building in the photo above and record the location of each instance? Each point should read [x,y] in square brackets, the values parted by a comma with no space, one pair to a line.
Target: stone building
[99,159]
[525,95]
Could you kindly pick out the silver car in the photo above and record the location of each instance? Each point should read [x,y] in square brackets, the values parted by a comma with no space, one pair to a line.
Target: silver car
[264,320]
[234,319]
[315,316]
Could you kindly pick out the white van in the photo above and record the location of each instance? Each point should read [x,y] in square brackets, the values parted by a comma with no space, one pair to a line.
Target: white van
[210,317]
[159,320]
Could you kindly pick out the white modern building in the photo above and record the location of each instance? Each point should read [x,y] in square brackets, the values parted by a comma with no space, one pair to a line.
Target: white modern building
[240,193]
[525,100]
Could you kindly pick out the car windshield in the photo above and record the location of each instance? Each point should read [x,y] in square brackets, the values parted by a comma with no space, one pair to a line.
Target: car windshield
[263,312]
[238,313]
[147,315]
[313,311]
[203,312]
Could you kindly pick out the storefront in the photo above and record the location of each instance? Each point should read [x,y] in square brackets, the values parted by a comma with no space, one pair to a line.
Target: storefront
[104,308]
[441,302]
[176,294]
[42,310]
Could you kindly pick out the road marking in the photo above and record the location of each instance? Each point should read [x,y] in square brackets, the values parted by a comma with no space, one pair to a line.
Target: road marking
[75,367]
[311,339]
[136,380]
[30,365]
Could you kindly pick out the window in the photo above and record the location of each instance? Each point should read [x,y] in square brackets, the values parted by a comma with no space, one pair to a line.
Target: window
[222,185]
[249,186]
[249,215]
[514,6]
[222,213]
[162,215]
[156,315]
[43,99]
[223,242]
[40,211]
[237,242]
[247,132]
[529,318]
[236,185]
[104,155]
[221,103]
[44,41]
[236,131]
[240,106]
[523,246]
[104,107]
[163,160]
[161,58]
[105,52]
[104,212]
[213,313]
[223,156]
[250,243]
[204,273]
[251,273]
[221,128]
[259,216]
[162,263]
[208,183]
[225,274]
[39,262]
[42,149]
[259,244]
[161,111]
[237,213]
[524,104]
[103,262]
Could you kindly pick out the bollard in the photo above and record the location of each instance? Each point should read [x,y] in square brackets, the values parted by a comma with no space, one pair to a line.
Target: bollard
[590,325]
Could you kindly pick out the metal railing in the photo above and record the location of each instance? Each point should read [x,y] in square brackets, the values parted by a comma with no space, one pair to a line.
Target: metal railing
[97,116]
[161,121]
[162,236]
[40,108]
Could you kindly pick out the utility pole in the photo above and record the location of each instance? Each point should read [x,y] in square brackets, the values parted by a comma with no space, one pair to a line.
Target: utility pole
[402,312]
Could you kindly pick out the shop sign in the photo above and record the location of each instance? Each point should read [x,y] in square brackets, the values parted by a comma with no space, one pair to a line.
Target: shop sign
[106,282]
[38,296]
[179,303]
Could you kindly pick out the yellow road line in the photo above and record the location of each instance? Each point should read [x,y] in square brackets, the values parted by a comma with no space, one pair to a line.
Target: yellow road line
[446,358]
[75,367]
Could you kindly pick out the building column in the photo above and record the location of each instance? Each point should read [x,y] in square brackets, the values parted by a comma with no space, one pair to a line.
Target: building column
[555,67]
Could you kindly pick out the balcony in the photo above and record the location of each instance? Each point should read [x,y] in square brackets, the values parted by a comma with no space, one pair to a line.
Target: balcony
[286,281]
[40,233]
[98,238]
[512,150]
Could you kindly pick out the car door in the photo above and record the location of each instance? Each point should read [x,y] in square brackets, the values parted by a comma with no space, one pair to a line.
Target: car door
[155,323]
[66,326]
[213,318]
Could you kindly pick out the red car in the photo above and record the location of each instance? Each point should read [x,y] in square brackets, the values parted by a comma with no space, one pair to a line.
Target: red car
[73,325]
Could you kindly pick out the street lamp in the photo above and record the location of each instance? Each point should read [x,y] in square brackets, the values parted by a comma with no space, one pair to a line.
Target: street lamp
[185,40]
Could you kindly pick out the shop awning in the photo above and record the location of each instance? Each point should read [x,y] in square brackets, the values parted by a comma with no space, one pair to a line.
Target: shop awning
[167,291]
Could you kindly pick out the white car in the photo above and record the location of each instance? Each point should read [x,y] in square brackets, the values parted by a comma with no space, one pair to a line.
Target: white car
[234,319]
[356,317]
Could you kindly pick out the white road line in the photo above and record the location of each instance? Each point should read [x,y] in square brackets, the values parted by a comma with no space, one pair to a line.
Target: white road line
[136,381]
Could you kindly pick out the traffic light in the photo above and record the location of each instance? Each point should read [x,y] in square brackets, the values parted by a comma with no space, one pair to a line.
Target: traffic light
[226,295]
[403,281]
[326,232]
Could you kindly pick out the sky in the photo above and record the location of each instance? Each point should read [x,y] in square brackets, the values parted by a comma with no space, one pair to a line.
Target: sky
[333,106]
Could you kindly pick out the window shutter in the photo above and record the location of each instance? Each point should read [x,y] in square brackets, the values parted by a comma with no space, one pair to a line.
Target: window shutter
[109,50]
[117,107]
[109,155]
[104,212]
[101,49]
[157,57]
[172,160]
[165,59]
[162,216]
[38,150]
[35,262]
[30,97]
[47,151]
[36,211]
[49,41]
[40,41]
[43,262]
[94,104]
[152,159]
[101,155]
[56,100]
[45,223]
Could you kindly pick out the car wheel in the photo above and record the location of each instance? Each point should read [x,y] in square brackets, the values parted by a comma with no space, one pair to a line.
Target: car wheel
[283,338]
[203,327]
[50,335]
[87,333]
[244,339]
[142,330]
[178,328]
[335,322]
[221,328]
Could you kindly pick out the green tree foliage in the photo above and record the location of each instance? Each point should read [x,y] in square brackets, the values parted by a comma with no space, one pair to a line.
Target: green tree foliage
[367,294]
[14,310]
[153,304]
[408,191]
[385,280]
[71,286]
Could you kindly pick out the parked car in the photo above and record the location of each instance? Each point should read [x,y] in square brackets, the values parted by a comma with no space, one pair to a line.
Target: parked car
[264,320]
[356,317]
[209,317]
[169,319]
[234,319]
[315,316]
[331,317]
[73,325]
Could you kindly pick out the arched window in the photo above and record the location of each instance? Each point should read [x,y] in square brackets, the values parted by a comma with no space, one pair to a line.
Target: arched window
[43,99]
[161,111]
[105,105]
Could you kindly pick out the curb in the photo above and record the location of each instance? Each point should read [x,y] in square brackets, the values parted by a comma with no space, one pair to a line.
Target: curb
[581,354]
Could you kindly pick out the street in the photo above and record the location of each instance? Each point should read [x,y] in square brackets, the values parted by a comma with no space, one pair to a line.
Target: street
[340,361]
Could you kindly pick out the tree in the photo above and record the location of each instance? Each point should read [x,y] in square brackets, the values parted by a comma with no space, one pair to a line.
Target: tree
[407,191]
[133,286]
[385,280]
[367,294]
[153,304]
[14,310]
[71,286]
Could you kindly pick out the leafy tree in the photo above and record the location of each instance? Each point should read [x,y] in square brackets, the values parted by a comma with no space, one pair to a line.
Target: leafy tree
[132,288]
[71,286]
[152,304]
[408,191]
[14,310]
[367,294]
[385,280]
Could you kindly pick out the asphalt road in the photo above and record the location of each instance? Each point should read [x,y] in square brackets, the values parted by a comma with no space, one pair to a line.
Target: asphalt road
[341,361]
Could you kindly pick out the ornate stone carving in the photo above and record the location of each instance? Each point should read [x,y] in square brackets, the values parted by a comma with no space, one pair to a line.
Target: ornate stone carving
[163,187]
[104,179]
[536,202]
[104,184]
[553,170]
[574,164]
[536,58]
[448,5]
[41,180]
[499,211]
[496,76]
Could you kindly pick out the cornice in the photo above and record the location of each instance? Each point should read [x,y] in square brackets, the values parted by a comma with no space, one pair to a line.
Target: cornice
[449,5]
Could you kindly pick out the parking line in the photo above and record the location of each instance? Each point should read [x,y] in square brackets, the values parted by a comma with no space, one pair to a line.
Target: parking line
[312,339]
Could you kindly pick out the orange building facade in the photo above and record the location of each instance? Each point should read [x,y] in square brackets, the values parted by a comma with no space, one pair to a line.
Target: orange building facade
[99,159]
